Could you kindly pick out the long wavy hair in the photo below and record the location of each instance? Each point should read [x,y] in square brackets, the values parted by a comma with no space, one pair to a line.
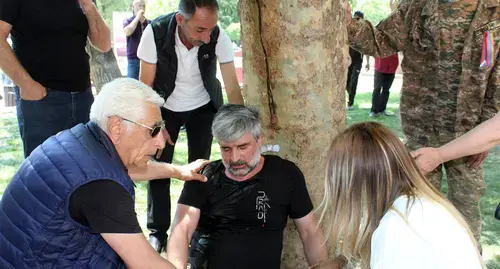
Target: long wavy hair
[368,169]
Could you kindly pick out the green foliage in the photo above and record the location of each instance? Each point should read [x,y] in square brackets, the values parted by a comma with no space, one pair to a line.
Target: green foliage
[228,13]
[107,7]
[155,8]
[233,31]
[374,10]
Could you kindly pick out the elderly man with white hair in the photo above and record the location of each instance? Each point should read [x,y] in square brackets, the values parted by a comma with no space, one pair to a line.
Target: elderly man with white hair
[71,204]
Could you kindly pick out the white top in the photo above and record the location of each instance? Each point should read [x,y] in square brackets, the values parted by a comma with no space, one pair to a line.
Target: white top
[432,238]
[189,92]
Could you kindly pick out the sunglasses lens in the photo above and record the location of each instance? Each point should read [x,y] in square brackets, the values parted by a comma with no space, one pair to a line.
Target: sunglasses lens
[156,130]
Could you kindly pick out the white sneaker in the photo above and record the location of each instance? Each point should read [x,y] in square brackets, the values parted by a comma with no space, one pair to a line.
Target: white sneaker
[372,114]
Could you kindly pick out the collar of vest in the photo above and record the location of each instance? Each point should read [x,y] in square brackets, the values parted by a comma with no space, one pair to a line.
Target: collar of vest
[103,138]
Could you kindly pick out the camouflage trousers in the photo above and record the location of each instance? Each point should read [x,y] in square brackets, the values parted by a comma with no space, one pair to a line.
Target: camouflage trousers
[465,187]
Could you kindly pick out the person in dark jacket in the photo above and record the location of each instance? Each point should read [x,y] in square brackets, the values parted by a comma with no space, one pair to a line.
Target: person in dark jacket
[71,203]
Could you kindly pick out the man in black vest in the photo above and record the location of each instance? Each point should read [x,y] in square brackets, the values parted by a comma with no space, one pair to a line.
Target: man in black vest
[179,53]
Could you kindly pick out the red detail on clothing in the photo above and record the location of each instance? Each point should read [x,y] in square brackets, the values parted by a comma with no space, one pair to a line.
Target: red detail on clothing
[387,65]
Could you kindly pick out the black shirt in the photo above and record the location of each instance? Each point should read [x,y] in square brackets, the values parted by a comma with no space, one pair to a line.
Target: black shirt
[49,39]
[105,206]
[246,219]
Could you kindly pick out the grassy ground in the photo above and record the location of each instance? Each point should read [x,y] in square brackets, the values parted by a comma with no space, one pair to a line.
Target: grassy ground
[11,157]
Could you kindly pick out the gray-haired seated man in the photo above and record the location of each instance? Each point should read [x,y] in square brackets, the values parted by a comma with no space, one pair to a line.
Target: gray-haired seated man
[245,204]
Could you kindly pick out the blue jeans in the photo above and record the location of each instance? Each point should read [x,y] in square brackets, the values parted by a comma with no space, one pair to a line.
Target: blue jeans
[39,120]
[133,68]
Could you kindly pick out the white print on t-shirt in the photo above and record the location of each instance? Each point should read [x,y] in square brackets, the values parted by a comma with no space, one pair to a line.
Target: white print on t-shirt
[261,205]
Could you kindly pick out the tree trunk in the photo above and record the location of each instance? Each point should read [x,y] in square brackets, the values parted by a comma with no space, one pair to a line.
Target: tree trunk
[295,58]
[103,66]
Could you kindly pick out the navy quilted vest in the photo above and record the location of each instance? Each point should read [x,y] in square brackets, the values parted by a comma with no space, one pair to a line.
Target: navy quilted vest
[36,230]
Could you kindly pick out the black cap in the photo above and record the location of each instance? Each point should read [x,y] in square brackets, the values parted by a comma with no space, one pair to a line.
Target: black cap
[359,14]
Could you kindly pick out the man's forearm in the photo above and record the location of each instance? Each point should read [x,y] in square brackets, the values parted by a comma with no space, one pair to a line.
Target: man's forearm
[314,247]
[11,66]
[99,33]
[177,249]
[234,95]
[130,28]
[154,170]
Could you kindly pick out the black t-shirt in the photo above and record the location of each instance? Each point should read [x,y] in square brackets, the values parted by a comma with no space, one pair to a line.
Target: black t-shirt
[49,39]
[246,220]
[105,206]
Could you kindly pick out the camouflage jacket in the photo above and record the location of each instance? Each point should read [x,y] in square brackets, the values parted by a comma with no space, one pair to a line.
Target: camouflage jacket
[414,29]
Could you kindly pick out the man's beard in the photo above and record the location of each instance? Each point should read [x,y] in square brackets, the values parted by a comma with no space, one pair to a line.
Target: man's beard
[249,167]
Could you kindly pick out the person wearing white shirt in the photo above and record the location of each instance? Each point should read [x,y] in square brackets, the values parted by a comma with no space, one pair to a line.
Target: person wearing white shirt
[382,212]
[179,54]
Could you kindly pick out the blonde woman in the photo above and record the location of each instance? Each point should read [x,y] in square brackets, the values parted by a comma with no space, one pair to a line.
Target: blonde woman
[384,212]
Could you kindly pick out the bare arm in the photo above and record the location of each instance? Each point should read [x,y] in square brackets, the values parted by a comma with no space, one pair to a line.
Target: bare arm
[99,33]
[147,73]
[155,170]
[135,251]
[312,239]
[230,79]
[30,89]
[480,139]
[130,28]
[185,222]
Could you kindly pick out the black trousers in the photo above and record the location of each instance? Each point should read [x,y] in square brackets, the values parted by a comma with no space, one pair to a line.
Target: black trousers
[380,96]
[198,125]
[352,81]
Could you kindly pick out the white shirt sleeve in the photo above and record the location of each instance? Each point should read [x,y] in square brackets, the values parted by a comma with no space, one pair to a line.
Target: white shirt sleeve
[395,245]
[224,48]
[147,47]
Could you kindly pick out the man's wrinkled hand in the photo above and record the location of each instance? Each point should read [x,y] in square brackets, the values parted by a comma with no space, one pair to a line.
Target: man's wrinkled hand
[191,171]
[140,14]
[427,159]
[475,161]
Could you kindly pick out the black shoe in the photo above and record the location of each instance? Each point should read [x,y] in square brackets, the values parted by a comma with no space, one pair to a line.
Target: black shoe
[157,244]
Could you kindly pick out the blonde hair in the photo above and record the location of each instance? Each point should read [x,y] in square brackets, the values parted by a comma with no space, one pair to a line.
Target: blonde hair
[368,169]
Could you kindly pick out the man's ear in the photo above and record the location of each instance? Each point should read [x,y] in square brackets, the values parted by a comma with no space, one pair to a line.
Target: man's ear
[179,18]
[115,129]
[260,140]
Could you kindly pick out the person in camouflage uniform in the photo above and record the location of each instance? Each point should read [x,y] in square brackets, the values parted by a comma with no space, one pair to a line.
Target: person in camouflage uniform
[446,92]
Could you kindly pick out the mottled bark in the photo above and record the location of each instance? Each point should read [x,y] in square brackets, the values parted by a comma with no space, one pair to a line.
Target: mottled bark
[295,58]
[103,66]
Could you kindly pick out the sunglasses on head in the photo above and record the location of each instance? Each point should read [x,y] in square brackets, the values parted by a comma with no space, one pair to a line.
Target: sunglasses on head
[155,129]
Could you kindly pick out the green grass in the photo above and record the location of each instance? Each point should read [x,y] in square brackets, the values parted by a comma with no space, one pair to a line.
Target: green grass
[11,157]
